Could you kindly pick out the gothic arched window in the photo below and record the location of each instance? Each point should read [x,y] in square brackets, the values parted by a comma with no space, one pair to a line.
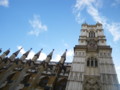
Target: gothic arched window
[88,62]
[91,34]
[9,78]
[25,80]
[92,62]
[43,82]
[96,63]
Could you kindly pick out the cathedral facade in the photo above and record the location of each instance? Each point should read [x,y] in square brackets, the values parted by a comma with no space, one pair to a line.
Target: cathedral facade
[92,67]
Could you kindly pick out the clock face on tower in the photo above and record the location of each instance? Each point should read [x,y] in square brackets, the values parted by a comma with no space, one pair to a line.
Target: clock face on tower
[92,44]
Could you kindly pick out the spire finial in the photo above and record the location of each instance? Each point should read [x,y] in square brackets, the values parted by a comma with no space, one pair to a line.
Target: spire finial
[20,48]
[41,49]
[30,48]
[0,50]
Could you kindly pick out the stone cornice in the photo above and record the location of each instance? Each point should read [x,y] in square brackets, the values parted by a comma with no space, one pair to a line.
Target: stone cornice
[98,47]
[105,47]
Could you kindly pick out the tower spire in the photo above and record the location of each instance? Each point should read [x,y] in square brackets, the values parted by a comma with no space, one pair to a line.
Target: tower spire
[58,69]
[17,52]
[0,50]
[25,54]
[49,56]
[63,57]
[36,56]
[12,57]
[5,54]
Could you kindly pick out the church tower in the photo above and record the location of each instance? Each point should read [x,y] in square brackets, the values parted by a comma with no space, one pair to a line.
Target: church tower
[92,67]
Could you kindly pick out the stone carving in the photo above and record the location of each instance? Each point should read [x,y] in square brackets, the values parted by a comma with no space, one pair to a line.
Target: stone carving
[91,83]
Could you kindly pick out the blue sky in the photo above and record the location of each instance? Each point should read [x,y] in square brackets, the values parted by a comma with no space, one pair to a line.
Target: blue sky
[56,24]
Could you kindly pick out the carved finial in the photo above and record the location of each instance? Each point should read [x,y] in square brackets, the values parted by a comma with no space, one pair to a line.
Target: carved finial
[30,48]
[0,50]
[66,50]
[21,48]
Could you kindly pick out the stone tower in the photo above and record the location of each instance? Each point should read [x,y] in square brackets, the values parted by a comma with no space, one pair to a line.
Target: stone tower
[92,67]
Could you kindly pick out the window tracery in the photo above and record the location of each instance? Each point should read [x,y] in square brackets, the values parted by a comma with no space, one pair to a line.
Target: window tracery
[92,62]
[91,34]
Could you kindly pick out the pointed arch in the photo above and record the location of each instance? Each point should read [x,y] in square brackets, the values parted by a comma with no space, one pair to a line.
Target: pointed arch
[88,62]
[26,79]
[96,62]
[43,81]
[92,62]
[10,77]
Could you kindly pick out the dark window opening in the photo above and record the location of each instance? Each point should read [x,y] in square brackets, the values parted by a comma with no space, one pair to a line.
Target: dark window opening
[91,34]
[88,63]
[96,63]
[92,62]
[43,82]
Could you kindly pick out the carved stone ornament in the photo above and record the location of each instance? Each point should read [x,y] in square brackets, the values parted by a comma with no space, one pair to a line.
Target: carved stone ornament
[92,84]
[92,45]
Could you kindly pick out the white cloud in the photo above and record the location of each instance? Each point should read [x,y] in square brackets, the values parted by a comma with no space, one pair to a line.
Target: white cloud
[56,58]
[114,28]
[91,7]
[37,26]
[42,56]
[66,45]
[4,3]
[70,54]
[32,53]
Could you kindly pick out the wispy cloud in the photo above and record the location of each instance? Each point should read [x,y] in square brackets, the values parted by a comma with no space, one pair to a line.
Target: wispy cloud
[92,8]
[65,44]
[4,3]
[37,26]
[116,2]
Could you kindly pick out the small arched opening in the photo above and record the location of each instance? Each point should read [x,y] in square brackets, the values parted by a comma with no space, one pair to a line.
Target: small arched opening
[25,80]
[9,78]
[43,81]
